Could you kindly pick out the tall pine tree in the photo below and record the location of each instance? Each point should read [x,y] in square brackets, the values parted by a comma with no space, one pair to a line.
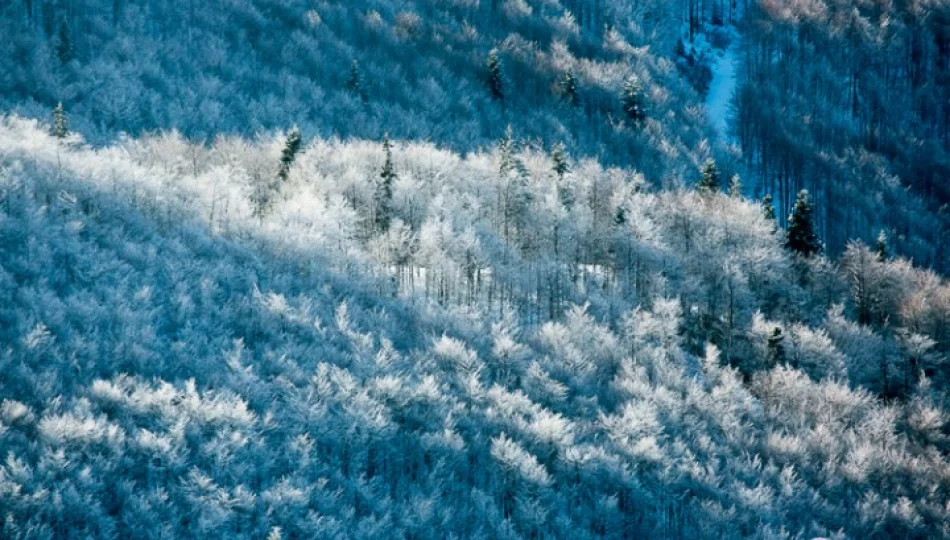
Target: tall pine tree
[569,88]
[354,83]
[288,154]
[776,351]
[632,100]
[768,209]
[881,247]
[561,167]
[60,122]
[496,79]
[506,152]
[560,160]
[383,197]
[709,182]
[801,237]
[735,187]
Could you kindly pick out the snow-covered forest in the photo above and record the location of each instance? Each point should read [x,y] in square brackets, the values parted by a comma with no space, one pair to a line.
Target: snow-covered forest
[492,269]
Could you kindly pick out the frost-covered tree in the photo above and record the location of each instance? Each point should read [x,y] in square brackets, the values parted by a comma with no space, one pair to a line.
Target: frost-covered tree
[60,122]
[709,181]
[874,282]
[880,248]
[496,77]
[801,237]
[513,192]
[288,154]
[632,100]
[569,88]
[776,350]
[560,161]
[354,81]
[506,153]
[735,187]
[383,194]
[768,208]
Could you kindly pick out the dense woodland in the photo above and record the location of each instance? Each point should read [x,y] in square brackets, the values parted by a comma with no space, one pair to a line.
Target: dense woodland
[302,269]
[851,100]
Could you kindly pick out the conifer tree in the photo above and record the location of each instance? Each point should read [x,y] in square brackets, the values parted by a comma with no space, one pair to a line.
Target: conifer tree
[506,150]
[709,182]
[735,187]
[354,83]
[60,122]
[64,47]
[881,247]
[802,238]
[560,160]
[383,196]
[569,88]
[776,351]
[632,100]
[768,209]
[288,154]
[496,81]
[620,216]
[561,167]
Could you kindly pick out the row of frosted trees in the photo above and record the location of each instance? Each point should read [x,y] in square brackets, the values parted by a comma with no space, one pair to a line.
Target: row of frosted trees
[533,231]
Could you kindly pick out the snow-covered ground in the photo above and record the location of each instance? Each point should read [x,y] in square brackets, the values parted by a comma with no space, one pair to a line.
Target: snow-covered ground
[721,90]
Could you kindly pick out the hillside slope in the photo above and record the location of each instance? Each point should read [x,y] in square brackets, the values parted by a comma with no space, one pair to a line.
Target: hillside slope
[416,69]
[168,376]
[849,99]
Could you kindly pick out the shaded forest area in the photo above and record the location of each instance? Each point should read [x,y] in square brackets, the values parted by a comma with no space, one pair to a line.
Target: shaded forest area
[851,100]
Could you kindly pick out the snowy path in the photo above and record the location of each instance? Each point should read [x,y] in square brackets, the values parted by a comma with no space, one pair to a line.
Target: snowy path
[721,89]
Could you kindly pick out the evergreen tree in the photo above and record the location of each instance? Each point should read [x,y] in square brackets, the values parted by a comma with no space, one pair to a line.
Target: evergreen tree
[776,351]
[288,154]
[620,216]
[496,81]
[60,122]
[709,182]
[506,151]
[802,238]
[632,100]
[569,88]
[64,48]
[768,209]
[354,83]
[560,160]
[383,197]
[561,167]
[735,187]
[881,247]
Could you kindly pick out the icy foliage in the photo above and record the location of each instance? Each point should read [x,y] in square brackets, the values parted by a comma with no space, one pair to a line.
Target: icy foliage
[171,373]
